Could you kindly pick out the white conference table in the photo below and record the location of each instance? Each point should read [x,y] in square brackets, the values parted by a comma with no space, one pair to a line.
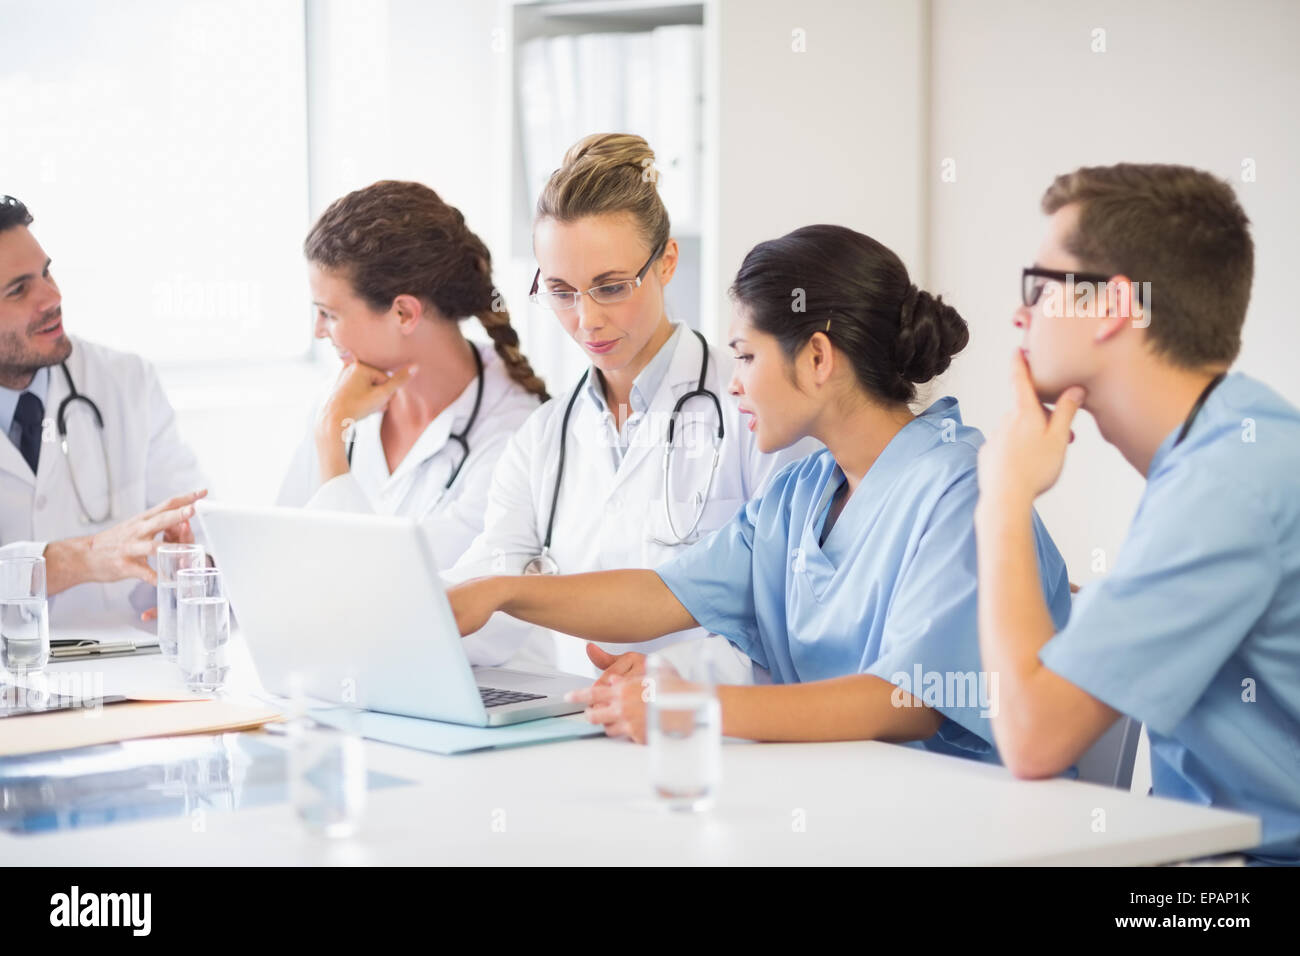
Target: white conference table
[583,802]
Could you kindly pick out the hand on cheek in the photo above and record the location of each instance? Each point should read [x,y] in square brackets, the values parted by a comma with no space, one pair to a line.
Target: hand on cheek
[1023,457]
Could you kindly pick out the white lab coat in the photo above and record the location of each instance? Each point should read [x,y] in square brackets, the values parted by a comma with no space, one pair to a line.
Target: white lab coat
[451,517]
[148,463]
[608,517]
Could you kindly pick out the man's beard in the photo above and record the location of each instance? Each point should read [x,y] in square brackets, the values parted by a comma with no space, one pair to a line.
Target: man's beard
[19,361]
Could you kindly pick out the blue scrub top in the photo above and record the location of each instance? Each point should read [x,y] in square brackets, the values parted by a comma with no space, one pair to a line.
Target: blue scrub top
[1196,630]
[890,593]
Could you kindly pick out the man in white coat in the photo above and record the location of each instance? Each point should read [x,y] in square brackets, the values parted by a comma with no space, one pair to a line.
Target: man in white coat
[89,439]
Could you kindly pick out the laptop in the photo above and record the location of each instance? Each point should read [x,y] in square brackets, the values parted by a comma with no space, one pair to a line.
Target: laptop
[352,607]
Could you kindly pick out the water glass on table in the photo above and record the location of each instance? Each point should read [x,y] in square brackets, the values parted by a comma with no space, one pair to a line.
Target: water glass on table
[24,616]
[171,559]
[327,766]
[202,629]
[327,778]
[684,734]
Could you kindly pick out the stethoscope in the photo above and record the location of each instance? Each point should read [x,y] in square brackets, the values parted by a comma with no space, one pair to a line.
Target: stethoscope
[459,438]
[543,563]
[61,422]
[1196,409]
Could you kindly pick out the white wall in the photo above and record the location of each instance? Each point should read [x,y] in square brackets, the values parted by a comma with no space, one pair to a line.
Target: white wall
[405,91]
[835,133]
[1018,97]
[159,146]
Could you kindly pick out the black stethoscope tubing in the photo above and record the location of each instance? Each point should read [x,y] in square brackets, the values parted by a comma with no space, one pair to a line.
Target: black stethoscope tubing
[460,438]
[699,390]
[1196,409]
[61,423]
[60,416]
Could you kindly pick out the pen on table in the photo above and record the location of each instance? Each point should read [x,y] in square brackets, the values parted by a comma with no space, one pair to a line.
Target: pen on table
[77,650]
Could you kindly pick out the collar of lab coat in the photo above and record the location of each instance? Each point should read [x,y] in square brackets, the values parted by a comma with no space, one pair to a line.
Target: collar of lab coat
[370,451]
[11,459]
[682,376]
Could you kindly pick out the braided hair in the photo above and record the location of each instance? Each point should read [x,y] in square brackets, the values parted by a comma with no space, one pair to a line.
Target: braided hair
[399,238]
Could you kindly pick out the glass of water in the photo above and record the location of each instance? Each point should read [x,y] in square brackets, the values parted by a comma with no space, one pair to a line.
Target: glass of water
[172,558]
[684,733]
[202,629]
[327,767]
[24,616]
[327,778]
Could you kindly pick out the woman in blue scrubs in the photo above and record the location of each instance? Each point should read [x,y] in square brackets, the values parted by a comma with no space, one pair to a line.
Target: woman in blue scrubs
[852,578]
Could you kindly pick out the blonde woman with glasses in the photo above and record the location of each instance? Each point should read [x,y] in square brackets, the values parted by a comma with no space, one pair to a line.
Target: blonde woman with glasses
[646,452]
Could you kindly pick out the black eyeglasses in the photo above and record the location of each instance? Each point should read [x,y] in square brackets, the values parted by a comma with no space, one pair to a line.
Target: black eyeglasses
[13,209]
[1033,279]
[605,294]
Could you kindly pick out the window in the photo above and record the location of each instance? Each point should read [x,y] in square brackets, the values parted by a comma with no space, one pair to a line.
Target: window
[162,147]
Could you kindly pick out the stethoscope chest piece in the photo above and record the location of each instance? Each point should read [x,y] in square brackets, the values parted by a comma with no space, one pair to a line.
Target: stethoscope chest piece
[542,564]
[670,446]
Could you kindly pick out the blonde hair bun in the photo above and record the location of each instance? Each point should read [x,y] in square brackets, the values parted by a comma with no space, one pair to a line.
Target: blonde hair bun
[607,174]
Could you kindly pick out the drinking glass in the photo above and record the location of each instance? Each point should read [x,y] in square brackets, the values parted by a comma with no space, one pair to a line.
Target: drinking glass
[24,616]
[171,559]
[202,629]
[684,734]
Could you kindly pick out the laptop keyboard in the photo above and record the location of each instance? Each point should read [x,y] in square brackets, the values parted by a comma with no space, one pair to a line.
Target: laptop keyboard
[496,697]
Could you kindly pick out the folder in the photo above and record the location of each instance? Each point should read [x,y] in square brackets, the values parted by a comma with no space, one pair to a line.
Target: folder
[438,737]
[132,720]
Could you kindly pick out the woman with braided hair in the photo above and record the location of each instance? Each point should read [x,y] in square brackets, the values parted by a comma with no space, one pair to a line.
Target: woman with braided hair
[419,415]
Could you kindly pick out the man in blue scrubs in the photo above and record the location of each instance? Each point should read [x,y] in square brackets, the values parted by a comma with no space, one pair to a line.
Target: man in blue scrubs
[1133,311]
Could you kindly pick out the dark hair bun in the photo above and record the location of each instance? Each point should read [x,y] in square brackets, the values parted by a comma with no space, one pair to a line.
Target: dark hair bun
[930,333]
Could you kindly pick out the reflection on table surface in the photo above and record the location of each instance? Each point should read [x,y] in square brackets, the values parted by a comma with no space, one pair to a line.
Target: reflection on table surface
[142,779]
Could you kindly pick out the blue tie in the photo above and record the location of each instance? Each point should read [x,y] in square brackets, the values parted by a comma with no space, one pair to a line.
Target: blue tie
[28,415]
